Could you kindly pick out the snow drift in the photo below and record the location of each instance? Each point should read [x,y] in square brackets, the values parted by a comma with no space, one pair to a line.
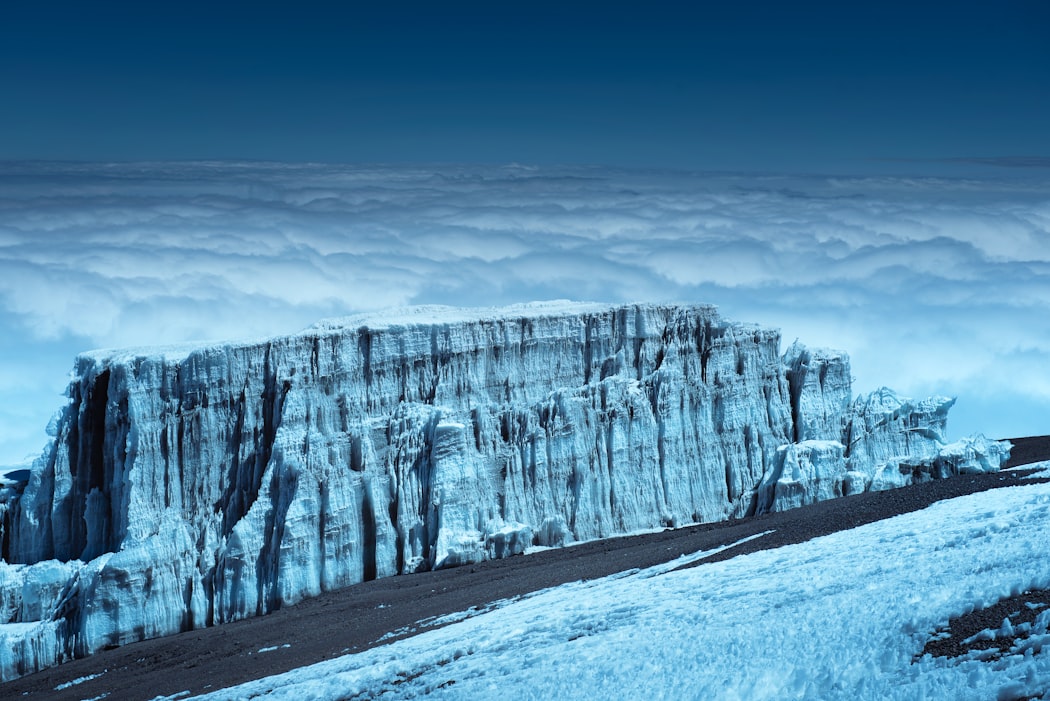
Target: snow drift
[191,487]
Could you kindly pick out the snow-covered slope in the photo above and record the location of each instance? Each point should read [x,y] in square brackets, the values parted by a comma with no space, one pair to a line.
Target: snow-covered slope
[188,487]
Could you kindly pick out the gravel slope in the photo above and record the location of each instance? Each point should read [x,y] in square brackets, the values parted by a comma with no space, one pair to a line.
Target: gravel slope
[357,617]
[1028,450]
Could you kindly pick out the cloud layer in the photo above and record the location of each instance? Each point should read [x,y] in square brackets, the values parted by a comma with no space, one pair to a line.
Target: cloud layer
[933,285]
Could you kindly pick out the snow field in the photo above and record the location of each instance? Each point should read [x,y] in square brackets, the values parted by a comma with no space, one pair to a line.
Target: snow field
[839,617]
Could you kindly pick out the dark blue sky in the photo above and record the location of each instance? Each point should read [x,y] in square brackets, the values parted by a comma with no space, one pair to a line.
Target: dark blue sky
[742,85]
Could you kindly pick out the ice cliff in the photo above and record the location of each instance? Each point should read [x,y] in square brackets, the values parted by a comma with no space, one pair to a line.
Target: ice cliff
[191,487]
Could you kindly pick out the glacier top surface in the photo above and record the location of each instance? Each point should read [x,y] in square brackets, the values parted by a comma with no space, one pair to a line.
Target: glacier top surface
[434,314]
[387,319]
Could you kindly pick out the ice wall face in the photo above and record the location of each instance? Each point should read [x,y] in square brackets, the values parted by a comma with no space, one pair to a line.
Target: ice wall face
[192,488]
[878,441]
[821,392]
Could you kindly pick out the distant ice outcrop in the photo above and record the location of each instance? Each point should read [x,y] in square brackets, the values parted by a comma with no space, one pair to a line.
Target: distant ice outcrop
[189,487]
[887,441]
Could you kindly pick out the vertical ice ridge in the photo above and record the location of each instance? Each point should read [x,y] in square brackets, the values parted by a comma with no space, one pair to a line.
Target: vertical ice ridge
[262,473]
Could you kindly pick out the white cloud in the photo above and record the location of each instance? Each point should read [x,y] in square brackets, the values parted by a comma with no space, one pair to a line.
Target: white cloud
[929,283]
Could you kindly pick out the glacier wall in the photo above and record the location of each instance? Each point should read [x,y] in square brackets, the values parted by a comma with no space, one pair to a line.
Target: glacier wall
[189,487]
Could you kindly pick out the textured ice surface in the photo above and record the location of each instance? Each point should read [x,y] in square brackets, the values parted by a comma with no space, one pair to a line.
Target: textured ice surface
[188,487]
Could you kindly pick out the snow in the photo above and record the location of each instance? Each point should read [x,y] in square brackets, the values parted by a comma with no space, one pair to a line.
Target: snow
[844,616]
[1041,470]
[79,680]
[271,648]
[435,314]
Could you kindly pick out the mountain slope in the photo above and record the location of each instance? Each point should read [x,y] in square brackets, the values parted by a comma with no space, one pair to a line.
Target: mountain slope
[358,618]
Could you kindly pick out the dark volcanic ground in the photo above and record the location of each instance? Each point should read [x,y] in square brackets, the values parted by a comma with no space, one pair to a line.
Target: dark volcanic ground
[355,618]
[1028,450]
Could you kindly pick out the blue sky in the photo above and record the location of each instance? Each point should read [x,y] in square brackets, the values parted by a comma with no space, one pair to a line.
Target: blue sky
[872,178]
[697,86]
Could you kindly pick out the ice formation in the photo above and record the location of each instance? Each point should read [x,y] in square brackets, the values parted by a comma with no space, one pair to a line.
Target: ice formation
[190,487]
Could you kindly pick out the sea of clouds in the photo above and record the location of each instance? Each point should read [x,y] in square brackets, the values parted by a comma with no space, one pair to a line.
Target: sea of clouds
[934,285]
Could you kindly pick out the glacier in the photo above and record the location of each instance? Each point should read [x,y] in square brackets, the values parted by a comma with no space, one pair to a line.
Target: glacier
[191,486]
